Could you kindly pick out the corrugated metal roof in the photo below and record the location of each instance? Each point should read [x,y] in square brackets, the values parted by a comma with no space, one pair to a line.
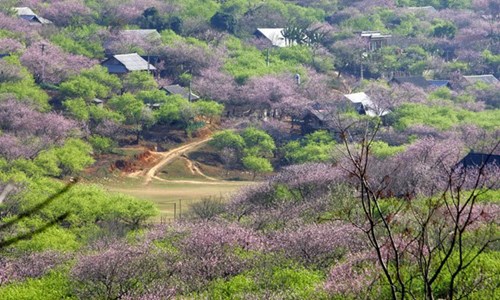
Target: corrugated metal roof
[429,9]
[419,81]
[374,34]
[275,35]
[368,106]
[488,79]
[134,62]
[438,83]
[144,33]
[24,11]
[27,14]
[179,90]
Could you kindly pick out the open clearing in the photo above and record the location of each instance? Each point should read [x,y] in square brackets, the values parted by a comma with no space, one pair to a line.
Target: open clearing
[183,194]
[174,196]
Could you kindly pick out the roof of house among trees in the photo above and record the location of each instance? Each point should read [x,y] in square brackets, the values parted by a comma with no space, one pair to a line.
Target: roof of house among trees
[176,89]
[143,33]
[131,62]
[488,79]
[439,83]
[427,9]
[28,14]
[418,81]
[368,107]
[274,35]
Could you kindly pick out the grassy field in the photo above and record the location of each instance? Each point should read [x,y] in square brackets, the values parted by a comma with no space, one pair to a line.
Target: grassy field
[183,194]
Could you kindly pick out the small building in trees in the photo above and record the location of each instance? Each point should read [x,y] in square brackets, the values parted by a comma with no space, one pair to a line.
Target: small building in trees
[97,102]
[473,159]
[274,36]
[376,39]
[27,14]
[146,34]
[312,120]
[2,55]
[421,9]
[362,103]
[124,63]
[487,79]
[439,83]
[418,81]
[176,89]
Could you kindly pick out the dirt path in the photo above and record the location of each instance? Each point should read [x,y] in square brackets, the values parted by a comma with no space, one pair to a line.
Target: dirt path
[166,158]
[195,170]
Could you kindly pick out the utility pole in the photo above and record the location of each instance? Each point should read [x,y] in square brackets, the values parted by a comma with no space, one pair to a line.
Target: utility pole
[43,62]
[267,57]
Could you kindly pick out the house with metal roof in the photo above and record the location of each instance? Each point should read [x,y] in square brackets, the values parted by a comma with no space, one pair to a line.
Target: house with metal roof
[274,36]
[124,63]
[422,9]
[439,83]
[376,39]
[142,33]
[488,79]
[418,81]
[29,15]
[176,89]
[364,105]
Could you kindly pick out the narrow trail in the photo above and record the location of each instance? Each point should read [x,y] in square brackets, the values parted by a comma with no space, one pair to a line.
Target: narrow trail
[166,158]
[195,170]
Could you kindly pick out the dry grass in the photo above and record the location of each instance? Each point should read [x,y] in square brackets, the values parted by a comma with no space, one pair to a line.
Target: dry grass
[183,194]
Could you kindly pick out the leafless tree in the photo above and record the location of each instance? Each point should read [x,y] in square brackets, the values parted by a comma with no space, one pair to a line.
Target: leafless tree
[420,239]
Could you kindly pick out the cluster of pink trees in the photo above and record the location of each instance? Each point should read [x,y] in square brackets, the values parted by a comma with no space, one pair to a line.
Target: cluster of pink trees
[50,64]
[26,131]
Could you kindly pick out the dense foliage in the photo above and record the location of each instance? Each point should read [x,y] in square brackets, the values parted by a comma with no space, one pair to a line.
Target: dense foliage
[356,200]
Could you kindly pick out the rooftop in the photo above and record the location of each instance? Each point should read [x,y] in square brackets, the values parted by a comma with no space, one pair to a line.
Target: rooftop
[275,35]
[144,33]
[134,62]
[368,106]
[419,81]
[488,79]
[176,89]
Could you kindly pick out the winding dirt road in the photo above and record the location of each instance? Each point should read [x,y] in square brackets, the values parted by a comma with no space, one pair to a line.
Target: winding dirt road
[166,158]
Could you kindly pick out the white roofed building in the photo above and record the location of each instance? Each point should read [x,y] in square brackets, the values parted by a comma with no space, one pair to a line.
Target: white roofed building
[365,106]
[29,15]
[274,36]
[124,63]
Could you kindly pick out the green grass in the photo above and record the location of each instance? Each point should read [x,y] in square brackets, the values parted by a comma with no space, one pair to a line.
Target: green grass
[183,194]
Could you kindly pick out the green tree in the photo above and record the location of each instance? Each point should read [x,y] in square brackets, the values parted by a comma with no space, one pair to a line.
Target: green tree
[134,112]
[139,81]
[77,108]
[70,159]
[314,147]
[227,139]
[209,109]
[257,164]
[258,142]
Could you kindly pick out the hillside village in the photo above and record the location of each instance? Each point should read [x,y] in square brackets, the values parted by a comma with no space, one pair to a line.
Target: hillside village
[247,149]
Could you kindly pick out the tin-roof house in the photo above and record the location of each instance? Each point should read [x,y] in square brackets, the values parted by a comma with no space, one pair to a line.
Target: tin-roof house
[176,89]
[418,81]
[422,9]
[274,36]
[365,106]
[439,83]
[142,33]
[487,79]
[376,40]
[124,63]
[27,14]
